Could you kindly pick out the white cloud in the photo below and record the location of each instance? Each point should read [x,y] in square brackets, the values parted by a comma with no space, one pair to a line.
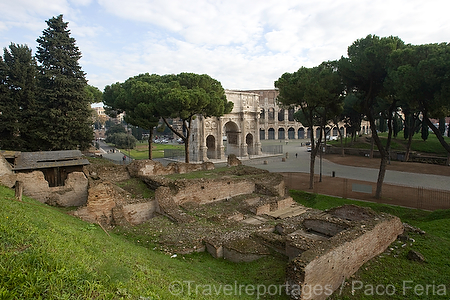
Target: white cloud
[244,44]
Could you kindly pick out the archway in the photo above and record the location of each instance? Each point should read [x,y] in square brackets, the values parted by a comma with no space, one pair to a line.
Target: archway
[316,137]
[262,134]
[291,133]
[211,145]
[301,133]
[249,142]
[271,133]
[281,134]
[232,141]
[271,114]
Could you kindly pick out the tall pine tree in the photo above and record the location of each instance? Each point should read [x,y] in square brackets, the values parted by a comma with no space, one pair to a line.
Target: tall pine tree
[17,98]
[65,117]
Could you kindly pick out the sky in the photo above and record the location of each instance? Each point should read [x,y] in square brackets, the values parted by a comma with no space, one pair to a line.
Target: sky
[244,44]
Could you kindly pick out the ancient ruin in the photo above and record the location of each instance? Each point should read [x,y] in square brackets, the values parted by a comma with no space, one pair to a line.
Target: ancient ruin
[53,177]
[242,214]
[238,213]
[234,133]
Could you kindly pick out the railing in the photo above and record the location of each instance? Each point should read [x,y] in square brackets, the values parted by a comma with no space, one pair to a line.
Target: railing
[413,197]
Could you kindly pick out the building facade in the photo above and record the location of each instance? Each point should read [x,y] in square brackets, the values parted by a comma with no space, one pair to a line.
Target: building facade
[233,133]
[277,123]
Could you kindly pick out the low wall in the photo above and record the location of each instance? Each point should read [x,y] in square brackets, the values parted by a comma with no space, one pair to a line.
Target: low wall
[323,269]
[143,168]
[205,191]
[112,205]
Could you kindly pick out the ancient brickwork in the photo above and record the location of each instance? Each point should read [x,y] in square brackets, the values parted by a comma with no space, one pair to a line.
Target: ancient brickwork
[335,253]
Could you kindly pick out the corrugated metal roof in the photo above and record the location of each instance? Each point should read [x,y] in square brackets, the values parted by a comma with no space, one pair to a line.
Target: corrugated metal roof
[49,159]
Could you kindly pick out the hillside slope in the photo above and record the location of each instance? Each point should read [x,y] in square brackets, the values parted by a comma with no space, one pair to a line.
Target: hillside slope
[47,254]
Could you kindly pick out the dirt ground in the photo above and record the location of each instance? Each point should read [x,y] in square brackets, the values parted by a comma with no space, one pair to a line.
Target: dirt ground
[391,194]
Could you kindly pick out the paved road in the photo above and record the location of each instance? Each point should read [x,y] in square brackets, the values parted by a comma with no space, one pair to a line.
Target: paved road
[113,153]
[301,164]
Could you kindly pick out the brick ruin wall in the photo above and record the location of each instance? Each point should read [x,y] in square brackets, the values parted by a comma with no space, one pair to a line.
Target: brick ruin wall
[207,191]
[324,270]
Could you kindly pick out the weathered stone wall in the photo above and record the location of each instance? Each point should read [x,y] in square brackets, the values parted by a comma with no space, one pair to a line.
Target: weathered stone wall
[112,205]
[327,266]
[110,172]
[5,168]
[204,191]
[73,193]
[145,168]
[35,185]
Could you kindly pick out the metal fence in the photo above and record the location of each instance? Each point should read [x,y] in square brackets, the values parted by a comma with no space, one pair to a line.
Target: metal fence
[413,197]
[272,149]
[173,153]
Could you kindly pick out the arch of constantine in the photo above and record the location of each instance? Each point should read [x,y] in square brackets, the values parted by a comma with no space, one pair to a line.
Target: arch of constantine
[255,116]
[233,133]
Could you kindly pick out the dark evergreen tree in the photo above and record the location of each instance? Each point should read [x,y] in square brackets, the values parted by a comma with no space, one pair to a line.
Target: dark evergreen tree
[65,116]
[442,126]
[17,100]
[425,132]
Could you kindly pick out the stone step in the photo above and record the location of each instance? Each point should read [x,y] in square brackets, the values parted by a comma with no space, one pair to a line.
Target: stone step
[288,212]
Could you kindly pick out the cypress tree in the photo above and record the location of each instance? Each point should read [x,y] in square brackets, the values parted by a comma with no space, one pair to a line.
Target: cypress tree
[17,98]
[65,116]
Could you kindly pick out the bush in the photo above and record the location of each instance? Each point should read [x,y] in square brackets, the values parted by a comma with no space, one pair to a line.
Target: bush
[122,140]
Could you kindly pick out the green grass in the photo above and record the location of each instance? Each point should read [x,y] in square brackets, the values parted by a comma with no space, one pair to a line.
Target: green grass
[431,145]
[394,268]
[141,150]
[137,187]
[47,254]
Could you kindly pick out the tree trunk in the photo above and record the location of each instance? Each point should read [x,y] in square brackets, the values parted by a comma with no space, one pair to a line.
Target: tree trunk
[184,138]
[381,174]
[371,147]
[312,160]
[436,132]
[311,169]
[342,144]
[384,152]
[150,143]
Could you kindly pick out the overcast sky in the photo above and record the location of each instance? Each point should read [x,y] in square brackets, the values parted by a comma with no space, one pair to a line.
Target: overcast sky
[245,44]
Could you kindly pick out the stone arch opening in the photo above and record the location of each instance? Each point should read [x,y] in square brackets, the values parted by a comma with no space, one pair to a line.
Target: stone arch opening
[232,133]
[271,133]
[249,142]
[211,145]
[291,133]
[262,134]
[291,115]
[317,133]
[281,135]
[281,115]
[301,133]
[271,114]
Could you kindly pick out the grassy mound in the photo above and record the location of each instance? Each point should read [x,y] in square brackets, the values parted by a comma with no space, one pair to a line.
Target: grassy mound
[47,254]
